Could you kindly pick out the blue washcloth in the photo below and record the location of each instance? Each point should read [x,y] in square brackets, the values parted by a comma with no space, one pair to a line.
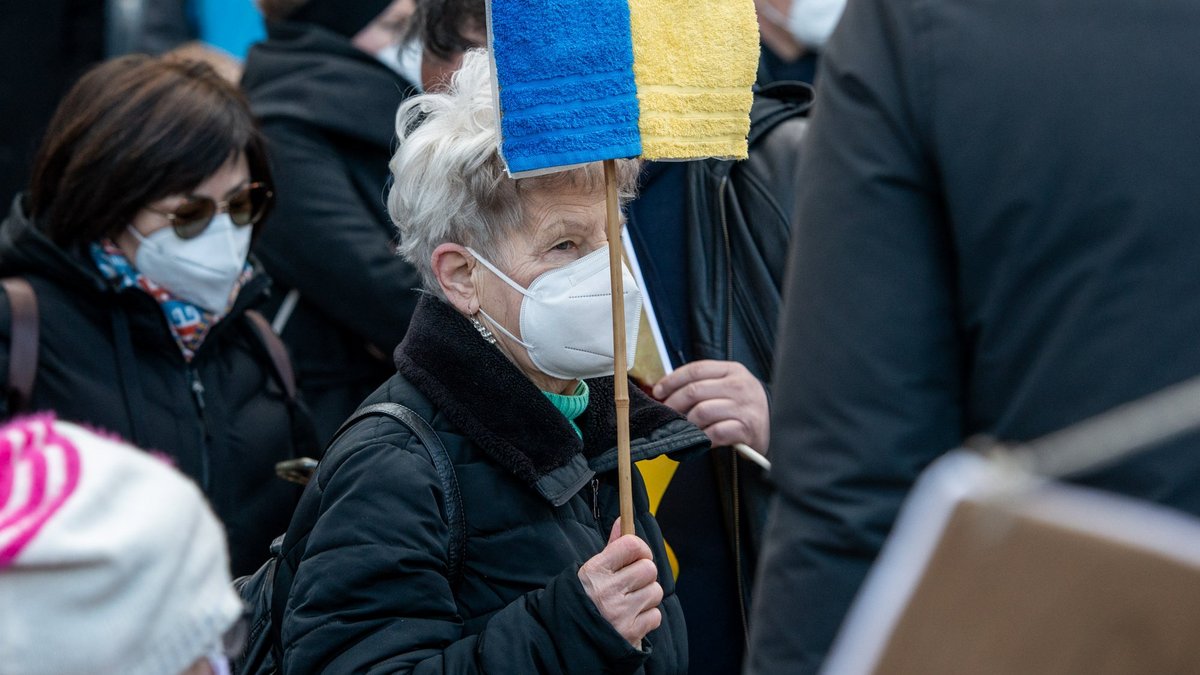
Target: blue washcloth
[565,83]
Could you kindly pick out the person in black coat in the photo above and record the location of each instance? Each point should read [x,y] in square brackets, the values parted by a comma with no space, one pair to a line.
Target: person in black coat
[44,47]
[994,236]
[509,358]
[134,237]
[327,107]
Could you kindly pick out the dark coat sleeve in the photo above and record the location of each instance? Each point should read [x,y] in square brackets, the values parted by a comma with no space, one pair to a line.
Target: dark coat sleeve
[868,374]
[326,242]
[5,361]
[371,593]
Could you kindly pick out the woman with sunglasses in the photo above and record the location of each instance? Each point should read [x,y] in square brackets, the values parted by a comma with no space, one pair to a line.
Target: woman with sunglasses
[147,191]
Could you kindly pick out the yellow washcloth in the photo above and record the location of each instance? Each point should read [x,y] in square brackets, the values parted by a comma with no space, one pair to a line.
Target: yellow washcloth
[694,62]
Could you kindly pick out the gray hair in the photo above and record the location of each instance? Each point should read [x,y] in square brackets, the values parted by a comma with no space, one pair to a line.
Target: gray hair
[449,182]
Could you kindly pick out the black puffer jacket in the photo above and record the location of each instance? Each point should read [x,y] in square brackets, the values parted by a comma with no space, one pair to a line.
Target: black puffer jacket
[328,111]
[107,358]
[370,592]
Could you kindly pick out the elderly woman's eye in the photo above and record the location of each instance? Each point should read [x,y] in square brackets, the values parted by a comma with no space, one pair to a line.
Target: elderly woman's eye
[563,246]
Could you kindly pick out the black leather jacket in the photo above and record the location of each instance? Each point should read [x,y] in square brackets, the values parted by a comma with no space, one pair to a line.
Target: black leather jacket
[739,224]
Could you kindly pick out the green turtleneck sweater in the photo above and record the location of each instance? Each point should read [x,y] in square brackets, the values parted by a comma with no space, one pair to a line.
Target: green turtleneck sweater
[571,405]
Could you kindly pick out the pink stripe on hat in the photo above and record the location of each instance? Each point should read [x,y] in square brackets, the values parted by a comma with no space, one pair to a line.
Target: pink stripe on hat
[46,465]
[8,460]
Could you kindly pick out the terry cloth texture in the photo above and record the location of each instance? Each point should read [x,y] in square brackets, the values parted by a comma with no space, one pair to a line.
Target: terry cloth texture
[564,76]
[695,64]
[110,560]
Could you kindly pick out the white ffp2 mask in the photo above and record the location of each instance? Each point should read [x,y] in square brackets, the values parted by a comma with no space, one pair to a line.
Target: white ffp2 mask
[812,21]
[404,59]
[202,270]
[566,317]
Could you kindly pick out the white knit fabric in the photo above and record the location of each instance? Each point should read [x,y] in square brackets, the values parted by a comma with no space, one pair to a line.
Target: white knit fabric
[129,574]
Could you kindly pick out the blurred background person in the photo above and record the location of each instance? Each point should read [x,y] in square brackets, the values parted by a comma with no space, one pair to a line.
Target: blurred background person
[158,26]
[793,33]
[995,235]
[110,560]
[325,85]
[444,30]
[44,47]
[134,238]
[505,360]
[708,242]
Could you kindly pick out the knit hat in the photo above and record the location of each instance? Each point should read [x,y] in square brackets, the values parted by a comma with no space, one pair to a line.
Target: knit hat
[110,560]
[344,17]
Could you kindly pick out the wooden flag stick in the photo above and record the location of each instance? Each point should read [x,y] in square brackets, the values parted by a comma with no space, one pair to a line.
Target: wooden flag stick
[620,374]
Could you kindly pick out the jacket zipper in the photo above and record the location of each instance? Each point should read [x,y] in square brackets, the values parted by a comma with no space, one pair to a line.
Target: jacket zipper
[197,388]
[737,516]
[596,506]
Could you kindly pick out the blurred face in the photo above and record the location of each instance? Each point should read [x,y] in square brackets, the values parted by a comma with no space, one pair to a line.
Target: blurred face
[436,71]
[386,30]
[562,227]
[226,182]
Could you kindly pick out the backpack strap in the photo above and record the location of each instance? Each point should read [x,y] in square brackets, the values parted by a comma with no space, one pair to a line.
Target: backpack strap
[451,496]
[276,350]
[23,348]
[777,102]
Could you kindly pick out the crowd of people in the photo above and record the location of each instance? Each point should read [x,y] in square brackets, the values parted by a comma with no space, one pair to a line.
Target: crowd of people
[225,278]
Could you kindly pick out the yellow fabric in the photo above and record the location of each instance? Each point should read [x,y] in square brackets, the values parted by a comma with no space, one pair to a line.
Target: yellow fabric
[647,362]
[657,473]
[694,62]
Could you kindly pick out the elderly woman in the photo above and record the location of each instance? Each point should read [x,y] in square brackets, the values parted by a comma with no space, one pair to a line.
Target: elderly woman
[509,359]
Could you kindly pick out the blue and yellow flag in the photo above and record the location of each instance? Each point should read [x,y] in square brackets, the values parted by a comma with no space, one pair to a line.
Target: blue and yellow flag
[582,81]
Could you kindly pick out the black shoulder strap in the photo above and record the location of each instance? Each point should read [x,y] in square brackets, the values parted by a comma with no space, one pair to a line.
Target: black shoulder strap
[23,348]
[777,102]
[451,496]
[276,350]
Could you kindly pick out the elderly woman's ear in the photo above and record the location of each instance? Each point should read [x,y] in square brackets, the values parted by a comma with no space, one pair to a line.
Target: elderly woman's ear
[452,265]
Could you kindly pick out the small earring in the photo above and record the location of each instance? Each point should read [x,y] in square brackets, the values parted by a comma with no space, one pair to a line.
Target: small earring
[483,330]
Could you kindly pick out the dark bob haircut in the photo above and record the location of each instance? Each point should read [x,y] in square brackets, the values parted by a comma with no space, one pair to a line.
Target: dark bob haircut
[441,24]
[134,130]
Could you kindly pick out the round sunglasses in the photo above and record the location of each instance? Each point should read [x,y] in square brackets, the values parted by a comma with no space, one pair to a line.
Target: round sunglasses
[245,207]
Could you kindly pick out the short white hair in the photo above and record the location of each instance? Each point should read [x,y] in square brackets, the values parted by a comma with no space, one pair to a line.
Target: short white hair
[449,182]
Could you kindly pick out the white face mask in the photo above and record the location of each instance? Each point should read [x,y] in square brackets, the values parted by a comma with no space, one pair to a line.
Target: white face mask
[812,21]
[219,663]
[566,317]
[405,60]
[202,270]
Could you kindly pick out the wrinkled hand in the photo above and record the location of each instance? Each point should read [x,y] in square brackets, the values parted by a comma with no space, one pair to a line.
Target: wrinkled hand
[722,398]
[622,581]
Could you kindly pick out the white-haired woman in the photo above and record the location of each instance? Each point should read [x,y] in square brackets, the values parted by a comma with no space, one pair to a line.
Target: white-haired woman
[509,359]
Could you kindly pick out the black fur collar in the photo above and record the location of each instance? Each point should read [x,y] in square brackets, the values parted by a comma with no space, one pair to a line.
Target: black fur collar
[492,402]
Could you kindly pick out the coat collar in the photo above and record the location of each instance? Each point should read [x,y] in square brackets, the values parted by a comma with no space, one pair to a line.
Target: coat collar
[482,393]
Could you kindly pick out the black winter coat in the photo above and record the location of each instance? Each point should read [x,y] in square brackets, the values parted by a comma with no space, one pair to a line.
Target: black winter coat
[719,229]
[739,225]
[107,358]
[328,111]
[370,592]
[996,233]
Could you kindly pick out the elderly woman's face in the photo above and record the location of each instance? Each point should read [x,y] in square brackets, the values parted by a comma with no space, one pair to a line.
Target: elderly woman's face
[562,226]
